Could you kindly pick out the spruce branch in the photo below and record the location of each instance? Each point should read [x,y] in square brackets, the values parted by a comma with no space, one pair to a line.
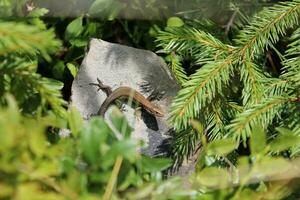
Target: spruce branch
[177,69]
[215,123]
[199,91]
[215,117]
[24,82]
[276,87]
[16,37]
[262,113]
[182,39]
[251,76]
[291,115]
[292,64]
[219,116]
[19,43]
[267,26]
[295,151]
[184,144]
[263,98]
[264,30]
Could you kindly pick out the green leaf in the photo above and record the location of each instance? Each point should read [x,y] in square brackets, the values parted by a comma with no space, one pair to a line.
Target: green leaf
[46,169]
[79,42]
[154,164]
[75,121]
[266,168]
[94,28]
[248,194]
[9,120]
[198,126]
[175,22]
[74,29]
[67,164]
[58,70]
[132,179]
[76,181]
[73,69]
[284,131]
[120,123]
[243,160]
[97,177]
[221,147]
[257,140]
[213,177]
[270,167]
[284,141]
[126,148]
[32,190]
[201,162]
[7,190]
[37,141]
[200,130]
[94,135]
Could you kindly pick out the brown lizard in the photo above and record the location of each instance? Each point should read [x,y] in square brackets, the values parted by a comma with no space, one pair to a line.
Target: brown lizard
[128,93]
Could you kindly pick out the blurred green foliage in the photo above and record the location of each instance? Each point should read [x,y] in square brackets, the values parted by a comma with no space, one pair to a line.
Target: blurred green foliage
[81,166]
[76,167]
[40,53]
[22,45]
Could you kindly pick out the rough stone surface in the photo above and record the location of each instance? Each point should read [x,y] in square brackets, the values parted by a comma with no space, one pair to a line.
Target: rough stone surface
[117,65]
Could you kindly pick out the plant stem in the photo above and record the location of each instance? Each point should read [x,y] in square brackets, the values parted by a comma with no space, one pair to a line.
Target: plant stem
[113,178]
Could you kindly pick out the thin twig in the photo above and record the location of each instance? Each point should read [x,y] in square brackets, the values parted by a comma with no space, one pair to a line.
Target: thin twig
[230,22]
[270,59]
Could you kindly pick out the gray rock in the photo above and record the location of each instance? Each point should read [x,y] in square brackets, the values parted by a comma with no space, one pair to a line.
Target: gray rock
[117,65]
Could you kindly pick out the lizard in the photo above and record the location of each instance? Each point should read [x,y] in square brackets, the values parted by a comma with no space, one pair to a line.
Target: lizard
[127,92]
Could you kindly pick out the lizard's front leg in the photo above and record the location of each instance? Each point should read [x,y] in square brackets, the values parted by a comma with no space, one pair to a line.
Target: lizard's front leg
[101,86]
